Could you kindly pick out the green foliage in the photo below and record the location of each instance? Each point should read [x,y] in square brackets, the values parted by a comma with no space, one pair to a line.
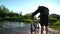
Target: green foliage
[3,11]
[52,19]
[5,14]
[55,16]
[57,23]
[27,16]
[28,20]
[38,20]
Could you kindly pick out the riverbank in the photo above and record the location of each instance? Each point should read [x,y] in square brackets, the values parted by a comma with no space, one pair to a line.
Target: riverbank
[55,27]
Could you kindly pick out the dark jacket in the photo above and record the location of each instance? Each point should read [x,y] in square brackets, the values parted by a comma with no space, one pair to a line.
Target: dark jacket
[44,12]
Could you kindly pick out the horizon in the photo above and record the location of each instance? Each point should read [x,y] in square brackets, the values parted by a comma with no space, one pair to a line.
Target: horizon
[29,6]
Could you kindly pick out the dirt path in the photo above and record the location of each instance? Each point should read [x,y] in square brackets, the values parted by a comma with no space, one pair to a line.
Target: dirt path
[51,31]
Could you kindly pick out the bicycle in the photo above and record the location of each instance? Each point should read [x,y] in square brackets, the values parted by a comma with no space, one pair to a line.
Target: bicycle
[34,27]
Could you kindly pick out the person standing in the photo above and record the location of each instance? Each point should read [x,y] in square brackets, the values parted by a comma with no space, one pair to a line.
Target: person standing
[44,12]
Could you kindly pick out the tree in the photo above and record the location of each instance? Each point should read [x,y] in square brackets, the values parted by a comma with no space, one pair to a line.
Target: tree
[55,16]
[3,11]
[27,16]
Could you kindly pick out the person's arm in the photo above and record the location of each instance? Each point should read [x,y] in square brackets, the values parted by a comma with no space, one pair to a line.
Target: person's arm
[34,13]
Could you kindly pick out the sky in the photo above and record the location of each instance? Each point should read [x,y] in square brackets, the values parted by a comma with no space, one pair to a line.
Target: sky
[28,6]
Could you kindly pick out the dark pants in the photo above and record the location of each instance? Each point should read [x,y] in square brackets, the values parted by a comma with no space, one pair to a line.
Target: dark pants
[44,21]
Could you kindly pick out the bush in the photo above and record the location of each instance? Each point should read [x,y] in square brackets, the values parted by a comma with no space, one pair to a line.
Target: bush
[52,19]
[28,20]
[57,23]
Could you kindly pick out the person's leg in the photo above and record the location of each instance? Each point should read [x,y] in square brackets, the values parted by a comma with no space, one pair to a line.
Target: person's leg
[42,28]
[46,26]
[46,29]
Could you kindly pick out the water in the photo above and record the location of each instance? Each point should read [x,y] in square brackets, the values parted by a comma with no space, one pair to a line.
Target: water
[13,27]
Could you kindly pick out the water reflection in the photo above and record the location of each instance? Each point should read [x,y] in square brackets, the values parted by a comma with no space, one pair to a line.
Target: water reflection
[9,24]
[13,27]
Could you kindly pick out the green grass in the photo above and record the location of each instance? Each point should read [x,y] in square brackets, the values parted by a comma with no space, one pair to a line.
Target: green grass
[55,25]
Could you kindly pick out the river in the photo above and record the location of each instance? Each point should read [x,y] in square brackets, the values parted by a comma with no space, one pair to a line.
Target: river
[14,27]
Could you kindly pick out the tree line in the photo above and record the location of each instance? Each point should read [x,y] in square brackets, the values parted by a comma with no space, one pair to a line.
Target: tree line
[7,15]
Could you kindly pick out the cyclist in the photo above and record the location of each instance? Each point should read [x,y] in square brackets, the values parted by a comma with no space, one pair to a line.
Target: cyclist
[44,12]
